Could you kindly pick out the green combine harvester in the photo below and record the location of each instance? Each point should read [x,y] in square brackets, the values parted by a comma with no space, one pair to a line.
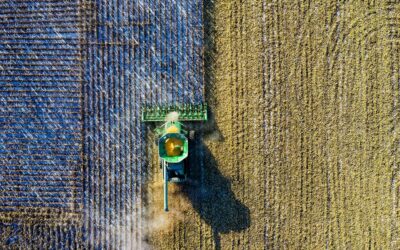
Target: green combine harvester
[173,144]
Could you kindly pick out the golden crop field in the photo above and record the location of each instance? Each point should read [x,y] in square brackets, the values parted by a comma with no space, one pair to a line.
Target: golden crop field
[302,149]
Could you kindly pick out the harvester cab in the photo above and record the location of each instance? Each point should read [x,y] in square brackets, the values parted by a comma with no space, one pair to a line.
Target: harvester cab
[172,139]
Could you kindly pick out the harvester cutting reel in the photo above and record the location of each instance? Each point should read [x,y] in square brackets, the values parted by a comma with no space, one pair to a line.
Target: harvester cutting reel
[172,139]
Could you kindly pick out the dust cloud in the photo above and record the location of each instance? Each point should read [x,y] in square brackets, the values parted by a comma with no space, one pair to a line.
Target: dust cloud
[172,117]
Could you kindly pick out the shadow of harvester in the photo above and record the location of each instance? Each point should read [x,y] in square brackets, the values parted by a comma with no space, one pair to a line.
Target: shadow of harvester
[211,195]
[209,191]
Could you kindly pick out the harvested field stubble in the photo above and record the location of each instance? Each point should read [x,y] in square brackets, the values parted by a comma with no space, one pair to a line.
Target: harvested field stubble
[305,104]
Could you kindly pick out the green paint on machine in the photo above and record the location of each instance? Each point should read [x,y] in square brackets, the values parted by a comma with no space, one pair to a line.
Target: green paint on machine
[186,112]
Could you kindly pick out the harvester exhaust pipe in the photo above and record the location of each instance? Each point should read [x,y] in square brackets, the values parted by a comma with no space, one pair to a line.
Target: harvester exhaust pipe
[165,187]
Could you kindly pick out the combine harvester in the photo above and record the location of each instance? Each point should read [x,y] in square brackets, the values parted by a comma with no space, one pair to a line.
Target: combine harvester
[173,144]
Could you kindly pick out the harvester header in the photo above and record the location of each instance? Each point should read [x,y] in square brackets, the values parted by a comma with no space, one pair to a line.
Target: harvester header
[186,112]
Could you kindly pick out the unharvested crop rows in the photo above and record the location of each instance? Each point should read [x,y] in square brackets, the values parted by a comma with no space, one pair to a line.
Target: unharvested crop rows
[74,76]
[40,164]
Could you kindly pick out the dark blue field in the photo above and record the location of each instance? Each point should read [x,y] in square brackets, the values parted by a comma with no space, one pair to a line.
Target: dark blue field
[73,77]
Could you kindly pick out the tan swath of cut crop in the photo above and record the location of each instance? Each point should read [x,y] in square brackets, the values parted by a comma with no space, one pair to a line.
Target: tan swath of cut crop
[305,98]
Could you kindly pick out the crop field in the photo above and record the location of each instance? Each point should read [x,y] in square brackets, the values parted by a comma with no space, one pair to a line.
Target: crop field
[301,149]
